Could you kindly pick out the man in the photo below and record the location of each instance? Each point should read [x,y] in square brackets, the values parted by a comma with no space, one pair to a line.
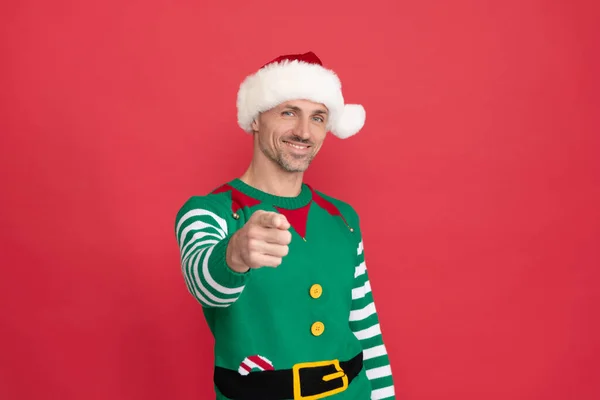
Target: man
[278,266]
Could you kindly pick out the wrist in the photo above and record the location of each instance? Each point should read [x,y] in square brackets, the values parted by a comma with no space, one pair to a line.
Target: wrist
[232,258]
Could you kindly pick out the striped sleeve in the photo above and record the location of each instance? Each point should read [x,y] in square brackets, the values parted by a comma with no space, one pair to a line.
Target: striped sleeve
[364,322]
[202,237]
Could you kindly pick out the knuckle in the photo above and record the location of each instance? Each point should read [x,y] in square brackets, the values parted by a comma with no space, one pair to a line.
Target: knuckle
[252,244]
[252,231]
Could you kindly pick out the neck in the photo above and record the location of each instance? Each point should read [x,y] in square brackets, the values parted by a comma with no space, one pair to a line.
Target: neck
[267,176]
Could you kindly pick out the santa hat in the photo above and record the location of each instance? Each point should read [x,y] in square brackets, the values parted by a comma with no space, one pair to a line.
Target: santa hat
[298,77]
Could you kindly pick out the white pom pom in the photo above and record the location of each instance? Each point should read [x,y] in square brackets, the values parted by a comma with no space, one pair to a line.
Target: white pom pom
[350,122]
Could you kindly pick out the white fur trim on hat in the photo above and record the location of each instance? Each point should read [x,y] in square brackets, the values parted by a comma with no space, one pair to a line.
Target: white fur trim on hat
[296,80]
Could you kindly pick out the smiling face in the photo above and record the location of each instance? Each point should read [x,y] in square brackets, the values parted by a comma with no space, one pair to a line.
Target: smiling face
[292,133]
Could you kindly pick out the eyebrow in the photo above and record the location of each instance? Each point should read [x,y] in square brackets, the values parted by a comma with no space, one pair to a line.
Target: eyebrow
[298,109]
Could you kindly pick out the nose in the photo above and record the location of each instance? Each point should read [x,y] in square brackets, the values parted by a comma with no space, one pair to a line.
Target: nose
[302,129]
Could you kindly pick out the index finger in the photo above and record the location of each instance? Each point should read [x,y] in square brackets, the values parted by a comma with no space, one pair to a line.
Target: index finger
[269,220]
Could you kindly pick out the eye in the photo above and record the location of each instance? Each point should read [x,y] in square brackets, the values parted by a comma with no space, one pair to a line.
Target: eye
[288,113]
[319,119]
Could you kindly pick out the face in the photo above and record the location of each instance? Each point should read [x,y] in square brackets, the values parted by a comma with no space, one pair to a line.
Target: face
[292,133]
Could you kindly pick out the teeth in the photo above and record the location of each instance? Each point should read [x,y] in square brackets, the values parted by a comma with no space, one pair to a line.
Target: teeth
[296,146]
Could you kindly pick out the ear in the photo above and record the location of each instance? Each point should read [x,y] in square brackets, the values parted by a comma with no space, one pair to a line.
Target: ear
[255,125]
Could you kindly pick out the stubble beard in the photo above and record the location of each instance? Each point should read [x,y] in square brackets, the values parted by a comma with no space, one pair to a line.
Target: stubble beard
[288,162]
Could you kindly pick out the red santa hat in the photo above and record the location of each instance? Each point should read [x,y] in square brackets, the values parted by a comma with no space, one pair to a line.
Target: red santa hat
[298,77]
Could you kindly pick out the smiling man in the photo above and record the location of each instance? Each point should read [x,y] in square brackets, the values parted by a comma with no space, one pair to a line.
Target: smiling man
[281,141]
[278,266]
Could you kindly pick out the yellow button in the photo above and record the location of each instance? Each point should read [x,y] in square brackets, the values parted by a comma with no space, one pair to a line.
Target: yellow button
[317,328]
[315,291]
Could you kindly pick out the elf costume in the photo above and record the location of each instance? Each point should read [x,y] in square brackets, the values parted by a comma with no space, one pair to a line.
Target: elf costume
[307,329]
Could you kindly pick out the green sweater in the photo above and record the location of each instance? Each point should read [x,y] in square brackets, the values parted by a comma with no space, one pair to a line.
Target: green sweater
[317,305]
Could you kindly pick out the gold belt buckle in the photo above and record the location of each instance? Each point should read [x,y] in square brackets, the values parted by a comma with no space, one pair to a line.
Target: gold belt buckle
[339,374]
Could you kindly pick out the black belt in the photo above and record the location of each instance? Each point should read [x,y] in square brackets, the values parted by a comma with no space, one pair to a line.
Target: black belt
[304,379]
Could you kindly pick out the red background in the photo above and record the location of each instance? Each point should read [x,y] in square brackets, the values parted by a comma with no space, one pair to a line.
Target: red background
[476,175]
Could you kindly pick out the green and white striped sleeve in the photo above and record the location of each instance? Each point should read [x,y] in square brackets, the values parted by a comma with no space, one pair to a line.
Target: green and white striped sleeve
[364,323]
[202,237]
